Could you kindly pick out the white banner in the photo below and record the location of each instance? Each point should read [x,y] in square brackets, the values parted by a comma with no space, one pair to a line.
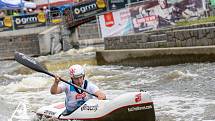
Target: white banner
[16,4]
[116,23]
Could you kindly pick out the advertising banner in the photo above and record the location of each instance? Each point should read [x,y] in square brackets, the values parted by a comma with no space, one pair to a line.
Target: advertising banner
[116,23]
[70,22]
[169,11]
[143,21]
[88,8]
[29,21]
[6,24]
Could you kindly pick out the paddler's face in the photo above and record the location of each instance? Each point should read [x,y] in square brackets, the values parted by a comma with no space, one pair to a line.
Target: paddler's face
[78,81]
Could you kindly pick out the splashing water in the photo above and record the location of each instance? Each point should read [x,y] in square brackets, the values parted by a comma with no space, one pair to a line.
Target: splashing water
[20,113]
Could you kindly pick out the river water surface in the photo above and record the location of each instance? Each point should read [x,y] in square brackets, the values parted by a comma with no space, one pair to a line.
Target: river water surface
[184,92]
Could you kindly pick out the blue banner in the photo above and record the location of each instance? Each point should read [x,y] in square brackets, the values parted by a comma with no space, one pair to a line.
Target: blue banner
[29,21]
[88,9]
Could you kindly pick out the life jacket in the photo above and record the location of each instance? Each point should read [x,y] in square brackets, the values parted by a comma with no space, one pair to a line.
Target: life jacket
[77,90]
[79,96]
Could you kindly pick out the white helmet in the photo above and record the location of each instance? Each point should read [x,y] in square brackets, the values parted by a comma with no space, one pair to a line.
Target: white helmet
[76,71]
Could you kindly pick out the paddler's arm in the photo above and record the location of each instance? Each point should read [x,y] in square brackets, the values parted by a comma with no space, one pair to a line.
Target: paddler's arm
[54,88]
[101,95]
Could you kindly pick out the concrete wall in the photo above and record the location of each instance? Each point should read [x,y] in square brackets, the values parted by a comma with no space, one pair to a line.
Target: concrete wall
[196,35]
[49,40]
[156,56]
[28,44]
[25,41]
[35,41]
[88,31]
[87,34]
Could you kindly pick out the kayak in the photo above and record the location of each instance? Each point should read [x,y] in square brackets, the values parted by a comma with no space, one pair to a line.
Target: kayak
[131,106]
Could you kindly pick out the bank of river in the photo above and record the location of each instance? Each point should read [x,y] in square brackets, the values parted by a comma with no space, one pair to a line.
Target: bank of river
[156,56]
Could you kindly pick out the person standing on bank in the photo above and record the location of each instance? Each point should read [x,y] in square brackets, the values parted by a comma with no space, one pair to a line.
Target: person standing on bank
[75,97]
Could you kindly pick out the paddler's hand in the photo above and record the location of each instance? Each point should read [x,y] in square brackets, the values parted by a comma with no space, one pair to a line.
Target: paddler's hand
[57,79]
[101,95]
[54,88]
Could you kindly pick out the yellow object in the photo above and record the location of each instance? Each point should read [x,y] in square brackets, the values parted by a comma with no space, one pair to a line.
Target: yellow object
[41,17]
[100,3]
[56,21]
[7,21]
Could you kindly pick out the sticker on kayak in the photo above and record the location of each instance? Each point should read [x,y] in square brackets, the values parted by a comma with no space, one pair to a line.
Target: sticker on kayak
[138,98]
[138,108]
[89,108]
[48,112]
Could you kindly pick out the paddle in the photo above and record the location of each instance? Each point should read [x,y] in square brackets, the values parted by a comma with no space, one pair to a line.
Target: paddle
[34,65]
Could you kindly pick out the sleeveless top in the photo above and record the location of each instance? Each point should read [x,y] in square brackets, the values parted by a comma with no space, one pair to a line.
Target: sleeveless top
[76,97]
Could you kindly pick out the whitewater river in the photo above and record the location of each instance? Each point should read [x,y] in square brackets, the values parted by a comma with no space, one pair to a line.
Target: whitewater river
[184,92]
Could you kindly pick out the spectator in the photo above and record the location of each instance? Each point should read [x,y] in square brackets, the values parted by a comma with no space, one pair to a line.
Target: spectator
[2,14]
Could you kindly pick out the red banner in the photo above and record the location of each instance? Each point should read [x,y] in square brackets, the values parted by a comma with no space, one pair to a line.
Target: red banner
[109,19]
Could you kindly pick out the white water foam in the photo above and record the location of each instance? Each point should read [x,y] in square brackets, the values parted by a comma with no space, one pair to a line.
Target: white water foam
[177,74]
[28,84]
[182,108]
[21,112]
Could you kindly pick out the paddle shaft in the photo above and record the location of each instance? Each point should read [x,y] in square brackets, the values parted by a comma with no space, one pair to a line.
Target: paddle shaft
[34,65]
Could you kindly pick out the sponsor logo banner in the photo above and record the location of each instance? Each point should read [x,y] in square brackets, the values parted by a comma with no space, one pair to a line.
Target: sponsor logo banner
[29,21]
[88,9]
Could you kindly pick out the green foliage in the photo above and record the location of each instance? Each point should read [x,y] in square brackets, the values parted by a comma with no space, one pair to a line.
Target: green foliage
[199,21]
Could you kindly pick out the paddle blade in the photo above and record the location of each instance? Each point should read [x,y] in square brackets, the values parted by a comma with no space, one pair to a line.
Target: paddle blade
[29,62]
